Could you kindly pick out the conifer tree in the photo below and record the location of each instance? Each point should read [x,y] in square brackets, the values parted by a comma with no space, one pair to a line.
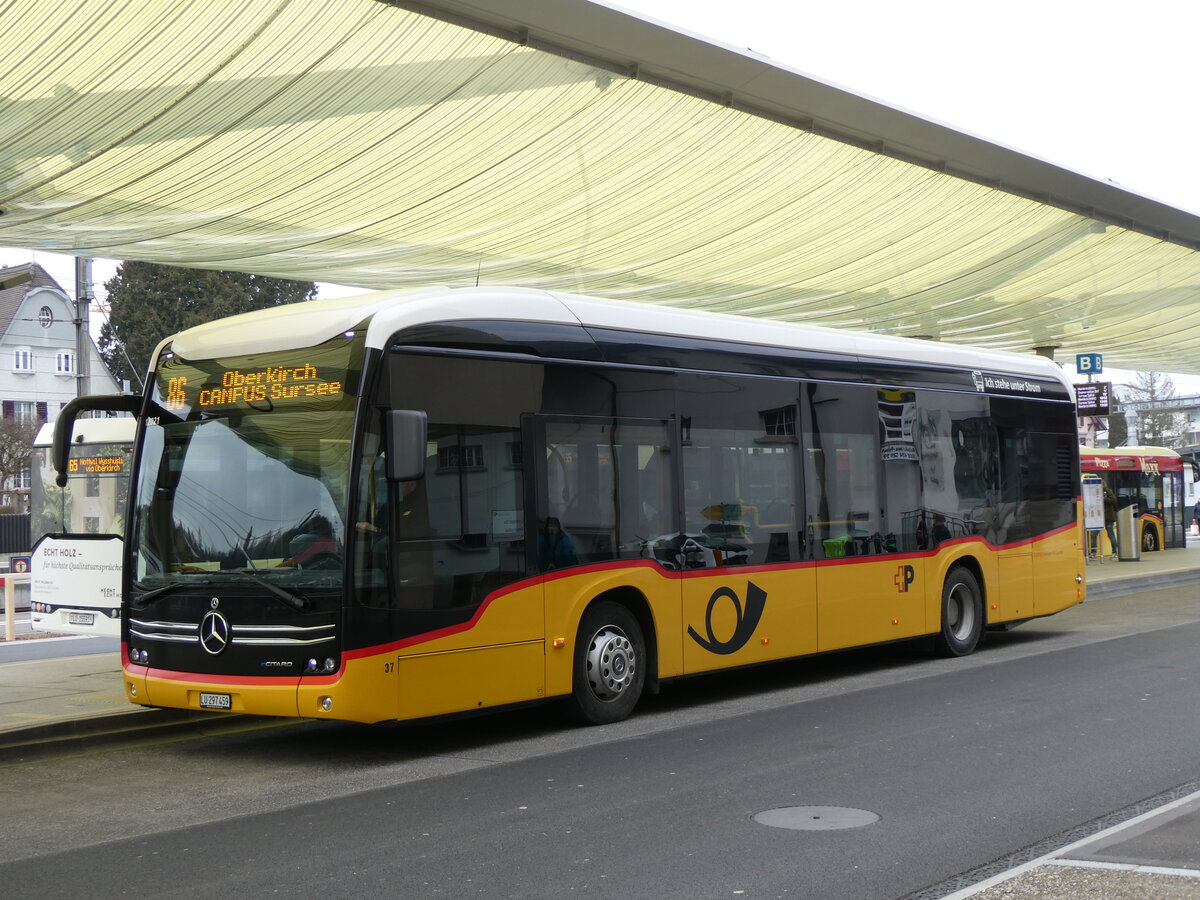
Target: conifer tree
[148,302]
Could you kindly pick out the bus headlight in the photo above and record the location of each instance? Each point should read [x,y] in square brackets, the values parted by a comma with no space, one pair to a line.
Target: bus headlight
[314,666]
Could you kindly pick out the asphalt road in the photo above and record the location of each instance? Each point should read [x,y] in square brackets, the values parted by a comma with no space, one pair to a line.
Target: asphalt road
[963,761]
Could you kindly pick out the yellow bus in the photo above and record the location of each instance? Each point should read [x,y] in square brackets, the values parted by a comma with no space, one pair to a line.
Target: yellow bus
[414,504]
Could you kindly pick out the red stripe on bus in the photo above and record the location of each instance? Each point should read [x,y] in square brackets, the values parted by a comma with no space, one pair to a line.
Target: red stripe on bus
[609,565]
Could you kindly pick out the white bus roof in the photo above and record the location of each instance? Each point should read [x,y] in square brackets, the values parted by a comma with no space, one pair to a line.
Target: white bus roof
[108,430]
[1128,451]
[307,324]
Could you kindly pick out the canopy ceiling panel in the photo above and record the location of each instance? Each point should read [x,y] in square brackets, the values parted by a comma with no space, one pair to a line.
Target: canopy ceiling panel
[364,143]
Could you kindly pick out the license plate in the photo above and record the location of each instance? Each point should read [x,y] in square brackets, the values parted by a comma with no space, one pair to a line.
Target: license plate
[216,701]
[81,618]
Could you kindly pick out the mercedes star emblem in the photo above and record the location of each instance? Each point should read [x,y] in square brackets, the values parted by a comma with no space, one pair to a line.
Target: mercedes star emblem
[214,632]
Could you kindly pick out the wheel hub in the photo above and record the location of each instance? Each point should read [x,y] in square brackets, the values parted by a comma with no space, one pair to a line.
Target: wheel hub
[611,663]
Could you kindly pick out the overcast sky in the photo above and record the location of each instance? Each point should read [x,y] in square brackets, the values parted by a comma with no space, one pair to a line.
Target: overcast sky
[1105,88]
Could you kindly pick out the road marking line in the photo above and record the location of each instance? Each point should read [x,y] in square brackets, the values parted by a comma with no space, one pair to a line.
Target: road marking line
[982,886]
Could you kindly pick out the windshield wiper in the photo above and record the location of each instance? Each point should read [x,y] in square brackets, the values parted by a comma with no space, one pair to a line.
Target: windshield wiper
[295,601]
[150,595]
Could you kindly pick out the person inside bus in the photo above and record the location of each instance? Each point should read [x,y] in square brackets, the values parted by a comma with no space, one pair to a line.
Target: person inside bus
[941,532]
[555,547]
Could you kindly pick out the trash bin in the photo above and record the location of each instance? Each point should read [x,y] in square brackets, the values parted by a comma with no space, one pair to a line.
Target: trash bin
[1129,544]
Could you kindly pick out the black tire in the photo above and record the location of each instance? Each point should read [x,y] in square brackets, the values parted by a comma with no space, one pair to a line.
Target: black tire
[609,666]
[1149,539]
[962,614]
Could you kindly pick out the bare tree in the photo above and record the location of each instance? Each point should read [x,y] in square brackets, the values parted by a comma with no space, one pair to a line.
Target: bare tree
[16,447]
[1156,427]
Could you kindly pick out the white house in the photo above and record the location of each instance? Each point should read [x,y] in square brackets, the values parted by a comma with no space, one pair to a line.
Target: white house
[38,365]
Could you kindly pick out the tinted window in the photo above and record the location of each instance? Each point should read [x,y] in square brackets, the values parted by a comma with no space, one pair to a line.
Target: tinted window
[448,540]
[959,470]
[1039,478]
[740,442]
[845,514]
[607,491]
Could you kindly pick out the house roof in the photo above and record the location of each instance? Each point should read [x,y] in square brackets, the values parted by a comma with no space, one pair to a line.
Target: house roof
[16,283]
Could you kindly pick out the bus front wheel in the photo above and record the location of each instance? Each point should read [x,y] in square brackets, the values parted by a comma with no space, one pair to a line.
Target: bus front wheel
[1149,539]
[609,665]
[962,614]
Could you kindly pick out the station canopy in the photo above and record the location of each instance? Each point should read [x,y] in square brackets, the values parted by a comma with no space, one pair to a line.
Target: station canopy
[565,145]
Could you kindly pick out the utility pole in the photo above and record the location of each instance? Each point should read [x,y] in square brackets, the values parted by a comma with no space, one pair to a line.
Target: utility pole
[83,339]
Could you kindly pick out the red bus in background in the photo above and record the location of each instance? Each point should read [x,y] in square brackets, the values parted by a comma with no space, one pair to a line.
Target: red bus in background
[1154,479]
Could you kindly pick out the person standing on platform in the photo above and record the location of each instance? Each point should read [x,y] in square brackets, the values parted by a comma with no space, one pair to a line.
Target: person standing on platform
[1110,517]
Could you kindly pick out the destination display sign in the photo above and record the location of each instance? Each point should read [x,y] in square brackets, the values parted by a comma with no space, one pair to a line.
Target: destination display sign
[274,383]
[100,459]
[317,376]
[98,465]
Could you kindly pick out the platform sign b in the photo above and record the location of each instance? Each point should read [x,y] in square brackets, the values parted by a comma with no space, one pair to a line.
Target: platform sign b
[1089,363]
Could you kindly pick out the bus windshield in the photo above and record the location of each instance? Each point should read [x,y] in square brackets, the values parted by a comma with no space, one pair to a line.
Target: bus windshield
[244,471]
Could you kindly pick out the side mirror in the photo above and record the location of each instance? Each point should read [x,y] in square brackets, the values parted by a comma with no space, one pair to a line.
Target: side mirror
[64,425]
[407,431]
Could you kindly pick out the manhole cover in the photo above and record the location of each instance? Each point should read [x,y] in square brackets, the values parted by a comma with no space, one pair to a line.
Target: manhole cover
[816,818]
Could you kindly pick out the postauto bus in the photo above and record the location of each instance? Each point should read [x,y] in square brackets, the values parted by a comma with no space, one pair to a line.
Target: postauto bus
[412,504]
[1155,481]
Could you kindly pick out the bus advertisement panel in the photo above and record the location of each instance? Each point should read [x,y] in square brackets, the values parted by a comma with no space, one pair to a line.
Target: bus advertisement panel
[414,504]
[78,548]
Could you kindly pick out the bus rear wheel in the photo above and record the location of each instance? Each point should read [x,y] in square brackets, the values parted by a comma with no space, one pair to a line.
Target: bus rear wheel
[962,614]
[609,665]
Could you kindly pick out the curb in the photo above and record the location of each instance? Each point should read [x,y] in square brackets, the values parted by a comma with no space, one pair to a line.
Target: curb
[119,728]
[1134,583]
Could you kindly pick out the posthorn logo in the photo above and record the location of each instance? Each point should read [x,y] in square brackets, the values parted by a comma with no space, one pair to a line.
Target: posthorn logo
[746,619]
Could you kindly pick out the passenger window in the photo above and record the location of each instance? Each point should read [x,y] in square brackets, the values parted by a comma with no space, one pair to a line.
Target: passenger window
[439,545]
[959,469]
[739,445]
[1038,480]
[607,491]
[842,462]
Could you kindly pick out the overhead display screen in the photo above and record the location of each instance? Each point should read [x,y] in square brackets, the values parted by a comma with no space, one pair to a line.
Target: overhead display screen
[1093,399]
[310,378]
[275,383]
[98,465]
